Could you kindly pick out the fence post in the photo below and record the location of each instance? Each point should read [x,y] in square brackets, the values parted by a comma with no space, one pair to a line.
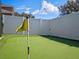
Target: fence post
[0,20]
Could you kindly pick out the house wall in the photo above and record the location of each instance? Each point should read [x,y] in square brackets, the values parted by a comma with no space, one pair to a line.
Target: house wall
[7,10]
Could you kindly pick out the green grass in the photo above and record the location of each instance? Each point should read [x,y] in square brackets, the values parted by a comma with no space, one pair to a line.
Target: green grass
[15,47]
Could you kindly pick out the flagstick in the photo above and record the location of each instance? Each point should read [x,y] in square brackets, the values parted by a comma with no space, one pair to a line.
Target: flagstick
[28,45]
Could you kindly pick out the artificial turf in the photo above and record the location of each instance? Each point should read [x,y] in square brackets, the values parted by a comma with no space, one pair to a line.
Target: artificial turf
[41,47]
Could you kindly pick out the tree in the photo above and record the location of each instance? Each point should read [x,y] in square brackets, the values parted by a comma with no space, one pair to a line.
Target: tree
[16,14]
[31,16]
[27,15]
[69,7]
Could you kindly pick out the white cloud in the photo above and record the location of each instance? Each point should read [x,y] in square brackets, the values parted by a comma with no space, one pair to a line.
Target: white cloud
[49,7]
[46,8]
[35,12]
[24,9]
[27,11]
[39,12]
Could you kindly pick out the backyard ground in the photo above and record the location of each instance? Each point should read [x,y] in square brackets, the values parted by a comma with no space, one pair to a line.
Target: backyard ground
[42,47]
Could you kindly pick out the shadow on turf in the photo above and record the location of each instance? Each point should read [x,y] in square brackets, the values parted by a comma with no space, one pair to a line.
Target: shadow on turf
[2,42]
[66,41]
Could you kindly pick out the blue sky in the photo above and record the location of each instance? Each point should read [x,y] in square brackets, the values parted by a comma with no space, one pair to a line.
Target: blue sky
[45,9]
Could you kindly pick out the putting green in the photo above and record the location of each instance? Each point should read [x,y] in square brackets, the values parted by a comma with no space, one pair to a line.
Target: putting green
[15,47]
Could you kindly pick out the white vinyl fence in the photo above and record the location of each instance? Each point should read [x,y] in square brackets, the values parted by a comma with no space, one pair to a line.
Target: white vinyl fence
[36,26]
[66,26]
[11,23]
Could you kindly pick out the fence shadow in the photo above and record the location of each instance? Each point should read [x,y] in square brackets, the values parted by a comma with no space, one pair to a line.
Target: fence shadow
[66,41]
